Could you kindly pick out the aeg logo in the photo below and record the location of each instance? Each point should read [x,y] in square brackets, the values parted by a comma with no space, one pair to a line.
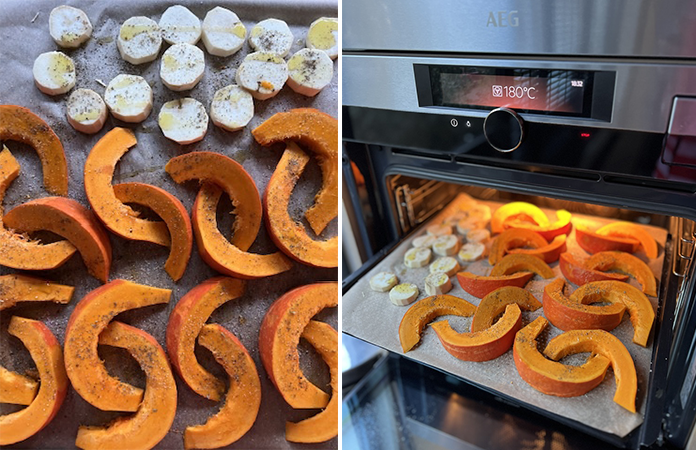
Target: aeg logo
[503,19]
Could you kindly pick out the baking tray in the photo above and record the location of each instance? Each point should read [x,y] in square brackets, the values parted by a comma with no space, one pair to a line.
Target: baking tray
[24,35]
[369,315]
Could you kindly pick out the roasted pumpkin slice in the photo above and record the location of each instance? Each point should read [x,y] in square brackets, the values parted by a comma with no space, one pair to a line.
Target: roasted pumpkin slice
[45,350]
[518,210]
[16,288]
[243,399]
[482,345]
[94,312]
[628,264]
[514,238]
[593,243]
[560,226]
[608,345]
[174,214]
[278,338]
[631,230]
[578,273]
[520,262]
[16,389]
[20,124]
[323,426]
[151,423]
[119,218]
[185,323]
[548,253]
[319,133]
[494,304]
[480,286]
[289,235]
[551,377]
[425,311]
[70,220]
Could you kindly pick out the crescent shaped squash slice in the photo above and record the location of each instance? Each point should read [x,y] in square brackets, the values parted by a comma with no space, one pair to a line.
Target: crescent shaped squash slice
[511,239]
[560,226]
[16,389]
[70,220]
[15,288]
[175,216]
[278,338]
[15,251]
[89,318]
[20,124]
[548,253]
[324,425]
[119,218]
[319,133]
[151,423]
[243,400]
[520,262]
[593,243]
[480,286]
[289,235]
[551,377]
[185,323]
[579,273]
[631,230]
[494,304]
[47,355]
[425,311]
[628,264]
[517,210]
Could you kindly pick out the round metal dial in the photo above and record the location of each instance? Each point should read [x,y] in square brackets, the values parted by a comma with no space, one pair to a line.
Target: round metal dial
[504,129]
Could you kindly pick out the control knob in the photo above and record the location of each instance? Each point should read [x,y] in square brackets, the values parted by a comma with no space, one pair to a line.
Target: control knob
[504,129]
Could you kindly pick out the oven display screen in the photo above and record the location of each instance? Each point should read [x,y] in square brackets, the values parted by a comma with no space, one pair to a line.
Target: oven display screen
[560,92]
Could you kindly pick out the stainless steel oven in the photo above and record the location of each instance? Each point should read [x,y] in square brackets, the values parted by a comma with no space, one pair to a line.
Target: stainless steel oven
[586,106]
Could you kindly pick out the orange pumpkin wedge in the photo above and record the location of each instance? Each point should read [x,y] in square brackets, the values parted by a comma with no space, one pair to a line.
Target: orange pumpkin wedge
[628,264]
[494,304]
[640,310]
[16,389]
[185,323]
[514,238]
[520,262]
[319,133]
[243,399]
[289,235]
[567,314]
[548,253]
[631,230]
[151,423]
[70,220]
[425,311]
[16,251]
[593,243]
[480,286]
[482,345]
[94,312]
[578,273]
[511,210]
[551,377]
[560,226]
[323,426]
[16,288]
[278,338]
[45,350]
[119,218]
[174,214]
[608,345]
[20,124]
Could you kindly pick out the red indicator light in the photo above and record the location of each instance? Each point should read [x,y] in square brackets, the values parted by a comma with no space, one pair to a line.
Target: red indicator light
[584,135]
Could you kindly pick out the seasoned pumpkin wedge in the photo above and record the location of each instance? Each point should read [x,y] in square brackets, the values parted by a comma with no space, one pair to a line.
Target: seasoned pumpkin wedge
[524,211]
[243,400]
[154,417]
[520,262]
[94,312]
[20,124]
[631,230]
[289,235]
[560,226]
[16,389]
[185,323]
[119,218]
[628,264]
[278,338]
[514,238]
[494,304]
[323,426]
[592,242]
[45,350]
[578,273]
[480,286]
[548,253]
[425,311]
[174,214]
[15,288]
[319,133]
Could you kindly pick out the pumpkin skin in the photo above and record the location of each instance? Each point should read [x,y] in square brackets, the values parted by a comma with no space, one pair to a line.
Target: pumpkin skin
[631,230]
[511,239]
[627,264]
[578,273]
[561,226]
[480,286]
[548,253]
[594,243]
[512,209]
[520,262]
[15,288]
[494,304]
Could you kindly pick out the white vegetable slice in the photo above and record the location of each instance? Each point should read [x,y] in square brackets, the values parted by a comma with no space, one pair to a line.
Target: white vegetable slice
[481,235]
[129,98]
[69,26]
[445,264]
[424,241]
[437,283]
[182,67]
[232,108]
[262,74]
[223,33]
[309,71]
[446,245]
[454,218]
[323,35]
[139,40]
[472,251]
[481,212]
[271,36]
[54,73]
[86,111]
[184,120]
[468,224]
[439,230]
[403,294]
[180,26]
[417,257]
[383,281]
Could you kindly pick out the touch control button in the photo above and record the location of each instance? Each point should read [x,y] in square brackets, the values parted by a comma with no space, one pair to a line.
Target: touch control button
[504,129]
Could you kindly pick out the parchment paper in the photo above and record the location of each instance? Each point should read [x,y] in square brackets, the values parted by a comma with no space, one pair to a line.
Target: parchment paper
[22,41]
[370,315]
